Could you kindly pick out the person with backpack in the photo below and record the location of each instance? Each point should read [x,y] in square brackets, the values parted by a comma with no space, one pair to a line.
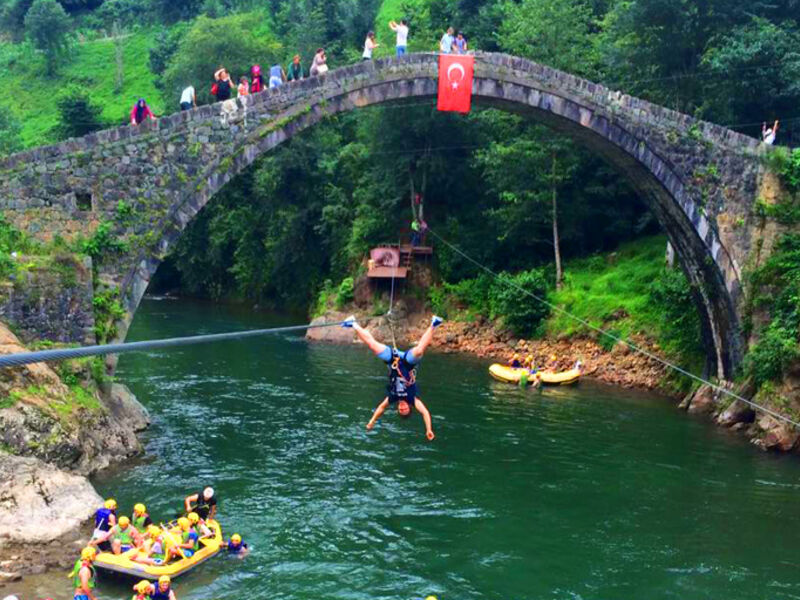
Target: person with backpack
[256,80]
[223,86]
[276,76]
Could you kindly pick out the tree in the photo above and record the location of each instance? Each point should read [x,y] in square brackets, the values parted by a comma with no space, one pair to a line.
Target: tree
[77,114]
[231,41]
[48,26]
[10,141]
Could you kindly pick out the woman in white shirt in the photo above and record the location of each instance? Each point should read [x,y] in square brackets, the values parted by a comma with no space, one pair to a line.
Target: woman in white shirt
[369,45]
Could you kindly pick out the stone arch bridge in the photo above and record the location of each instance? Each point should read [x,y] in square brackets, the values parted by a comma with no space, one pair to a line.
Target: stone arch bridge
[146,183]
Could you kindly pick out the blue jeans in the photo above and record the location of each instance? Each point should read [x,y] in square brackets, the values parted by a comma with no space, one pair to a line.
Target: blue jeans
[401,50]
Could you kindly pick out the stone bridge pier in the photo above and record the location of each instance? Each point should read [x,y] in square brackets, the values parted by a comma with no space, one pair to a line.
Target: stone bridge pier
[145,184]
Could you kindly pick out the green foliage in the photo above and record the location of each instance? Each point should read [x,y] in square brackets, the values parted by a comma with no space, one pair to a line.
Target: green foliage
[10,128]
[78,115]
[108,310]
[103,243]
[521,313]
[236,42]
[776,350]
[786,164]
[344,294]
[48,26]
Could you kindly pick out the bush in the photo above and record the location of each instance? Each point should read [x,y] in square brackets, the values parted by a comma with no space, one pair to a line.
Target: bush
[48,26]
[670,299]
[78,115]
[775,351]
[520,312]
[10,141]
[345,292]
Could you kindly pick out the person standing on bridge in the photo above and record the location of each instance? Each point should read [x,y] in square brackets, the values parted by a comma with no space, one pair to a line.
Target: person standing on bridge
[223,86]
[295,70]
[447,45]
[188,98]
[768,133]
[401,29]
[402,388]
[140,112]
[319,65]
[461,43]
[369,45]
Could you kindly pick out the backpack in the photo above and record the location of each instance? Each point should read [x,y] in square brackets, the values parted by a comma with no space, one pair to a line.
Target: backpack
[214,89]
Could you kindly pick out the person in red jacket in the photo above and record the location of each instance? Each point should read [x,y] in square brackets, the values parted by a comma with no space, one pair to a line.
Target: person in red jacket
[257,80]
[140,112]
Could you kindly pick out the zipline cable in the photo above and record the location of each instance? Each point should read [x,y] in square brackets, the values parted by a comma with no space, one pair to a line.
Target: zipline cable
[634,347]
[25,358]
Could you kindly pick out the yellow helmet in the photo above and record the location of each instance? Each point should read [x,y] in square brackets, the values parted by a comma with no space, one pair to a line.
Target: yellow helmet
[184,523]
[124,522]
[153,531]
[553,357]
[110,504]
[236,538]
[88,553]
[139,508]
[431,598]
[529,357]
[516,356]
[143,586]
[193,517]
[164,579]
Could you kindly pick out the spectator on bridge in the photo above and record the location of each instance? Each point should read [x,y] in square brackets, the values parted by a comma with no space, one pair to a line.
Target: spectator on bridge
[369,45]
[447,45]
[401,29]
[140,112]
[768,133]
[188,98]
[319,66]
[276,76]
[460,43]
[244,87]
[296,69]
[223,86]
[257,80]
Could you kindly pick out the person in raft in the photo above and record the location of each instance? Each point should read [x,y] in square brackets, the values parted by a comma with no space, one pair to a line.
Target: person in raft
[236,546]
[206,503]
[83,575]
[514,362]
[104,519]
[402,389]
[123,537]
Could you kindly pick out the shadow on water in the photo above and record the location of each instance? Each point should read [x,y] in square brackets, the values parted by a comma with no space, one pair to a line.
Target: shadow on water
[575,492]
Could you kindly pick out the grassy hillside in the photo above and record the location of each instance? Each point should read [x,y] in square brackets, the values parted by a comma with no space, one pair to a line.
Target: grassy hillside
[92,67]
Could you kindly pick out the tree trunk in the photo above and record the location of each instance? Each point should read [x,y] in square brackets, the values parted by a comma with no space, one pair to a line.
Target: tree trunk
[556,247]
[413,193]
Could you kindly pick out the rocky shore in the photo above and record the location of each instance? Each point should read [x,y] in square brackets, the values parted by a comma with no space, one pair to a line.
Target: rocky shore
[618,366]
[53,434]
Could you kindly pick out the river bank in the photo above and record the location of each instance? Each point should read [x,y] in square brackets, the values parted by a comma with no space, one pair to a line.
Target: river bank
[620,366]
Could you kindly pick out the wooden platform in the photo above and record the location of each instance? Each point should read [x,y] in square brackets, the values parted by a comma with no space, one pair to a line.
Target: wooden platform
[387,272]
[422,250]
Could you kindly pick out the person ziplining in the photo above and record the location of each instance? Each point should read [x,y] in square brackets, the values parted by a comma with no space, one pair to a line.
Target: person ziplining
[402,388]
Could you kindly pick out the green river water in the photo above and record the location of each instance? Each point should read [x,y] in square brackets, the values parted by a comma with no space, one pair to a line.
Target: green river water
[590,492]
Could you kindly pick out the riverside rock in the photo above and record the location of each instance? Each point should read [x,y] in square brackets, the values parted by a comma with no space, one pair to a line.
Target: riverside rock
[39,502]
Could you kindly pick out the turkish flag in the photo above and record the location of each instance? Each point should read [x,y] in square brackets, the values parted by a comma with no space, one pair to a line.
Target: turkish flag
[455,82]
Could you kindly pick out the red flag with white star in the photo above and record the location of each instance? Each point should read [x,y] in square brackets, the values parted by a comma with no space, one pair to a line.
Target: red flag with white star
[455,82]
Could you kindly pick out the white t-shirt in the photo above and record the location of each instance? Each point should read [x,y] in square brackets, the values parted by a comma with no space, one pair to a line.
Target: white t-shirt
[446,45]
[368,46]
[769,137]
[187,95]
[402,35]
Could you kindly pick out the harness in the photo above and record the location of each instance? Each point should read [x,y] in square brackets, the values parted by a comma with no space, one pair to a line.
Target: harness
[396,374]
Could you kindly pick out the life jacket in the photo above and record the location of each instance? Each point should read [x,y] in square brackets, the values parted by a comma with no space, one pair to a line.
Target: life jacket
[76,574]
[140,522]
[101,518]
[159,595]
[234,548]
[257,84]
[275,78]
[402,376]
[124,536]
[185,538]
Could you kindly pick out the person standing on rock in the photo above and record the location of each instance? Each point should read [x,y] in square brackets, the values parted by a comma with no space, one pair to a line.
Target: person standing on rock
[83,575]
[104,519]
[205,503]
[402,388]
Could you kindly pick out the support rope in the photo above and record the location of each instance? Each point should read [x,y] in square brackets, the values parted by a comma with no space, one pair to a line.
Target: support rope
[634,347]
[25,358]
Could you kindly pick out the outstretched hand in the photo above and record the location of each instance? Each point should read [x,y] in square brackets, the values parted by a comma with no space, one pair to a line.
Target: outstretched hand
[370,425]
[349,322]
[429,435]
[436,321]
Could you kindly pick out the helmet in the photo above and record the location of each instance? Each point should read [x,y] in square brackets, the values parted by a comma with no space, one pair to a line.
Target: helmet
[193,517]
[143,586]
[529,357]
[124,522]
[139,508]
[184,523]
[110,504]
[553,357]
[164,579]
[88,553]
[236,538]
[255,70]
[516,356]
[153,531]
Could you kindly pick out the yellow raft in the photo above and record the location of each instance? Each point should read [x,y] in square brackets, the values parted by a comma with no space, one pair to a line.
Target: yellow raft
[122,563]
[512,375]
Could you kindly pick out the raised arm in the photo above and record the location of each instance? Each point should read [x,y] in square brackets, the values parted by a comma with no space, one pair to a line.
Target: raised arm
[187,502]
[378,413]
[426,416]
[364,335]
[392,25]
[426,339]
[775,127]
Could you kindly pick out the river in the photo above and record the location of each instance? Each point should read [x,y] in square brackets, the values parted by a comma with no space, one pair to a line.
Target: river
[590,492]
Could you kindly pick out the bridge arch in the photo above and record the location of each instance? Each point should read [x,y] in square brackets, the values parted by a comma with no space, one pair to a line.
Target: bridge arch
[696,177]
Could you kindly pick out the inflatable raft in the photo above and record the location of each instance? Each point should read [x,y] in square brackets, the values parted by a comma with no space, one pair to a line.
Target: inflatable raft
[512,375]
[122,563]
